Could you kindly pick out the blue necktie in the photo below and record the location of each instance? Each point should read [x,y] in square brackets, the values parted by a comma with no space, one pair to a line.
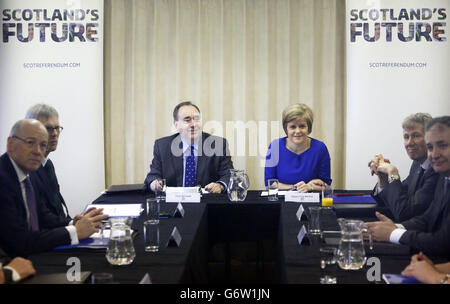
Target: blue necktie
[31,202]
[190,179]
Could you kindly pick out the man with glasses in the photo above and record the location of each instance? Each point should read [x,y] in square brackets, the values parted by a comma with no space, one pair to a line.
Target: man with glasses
[44,178]
[190,157]
[26,225]
[413,196]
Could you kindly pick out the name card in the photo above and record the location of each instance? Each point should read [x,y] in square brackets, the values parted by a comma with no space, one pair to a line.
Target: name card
[182,197]
[294,196]
[174,239]
[146,279]
[179,211]
[301,236]
[299,213]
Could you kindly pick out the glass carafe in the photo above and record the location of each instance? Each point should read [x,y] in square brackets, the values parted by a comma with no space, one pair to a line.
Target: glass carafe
[120,249]
[238,185]
[351,253]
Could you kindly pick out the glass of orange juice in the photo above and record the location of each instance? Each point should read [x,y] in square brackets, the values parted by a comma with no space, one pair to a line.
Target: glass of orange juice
[327,196]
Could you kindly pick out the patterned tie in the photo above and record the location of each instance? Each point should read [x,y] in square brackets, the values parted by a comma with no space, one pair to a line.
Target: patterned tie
[31,202]
[190,174]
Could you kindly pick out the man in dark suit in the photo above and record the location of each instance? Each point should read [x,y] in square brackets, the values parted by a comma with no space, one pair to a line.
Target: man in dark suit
[44,179]
[412,196]
[12,271]
[26,225]
[430,232]
[190,157]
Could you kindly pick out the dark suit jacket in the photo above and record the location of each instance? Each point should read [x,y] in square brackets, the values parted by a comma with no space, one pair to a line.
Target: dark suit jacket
[411,197]
[213,162]
[430,232]
[15,236]
[46,184]
[4,258]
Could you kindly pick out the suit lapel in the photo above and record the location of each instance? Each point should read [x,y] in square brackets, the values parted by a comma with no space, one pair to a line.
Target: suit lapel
[15,184]
[415,182]
[201,167]
[177,159]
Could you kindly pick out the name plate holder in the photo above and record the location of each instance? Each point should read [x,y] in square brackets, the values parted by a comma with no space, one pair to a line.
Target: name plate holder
[300,213]
[179,211]
[183,197]
[174,239]
[302,237]
[297,197]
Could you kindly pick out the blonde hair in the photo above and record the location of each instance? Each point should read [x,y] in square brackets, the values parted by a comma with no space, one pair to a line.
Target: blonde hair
[295,112]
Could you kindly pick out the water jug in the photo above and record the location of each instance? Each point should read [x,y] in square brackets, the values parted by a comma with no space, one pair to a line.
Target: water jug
[351,253]
[238,185]
[120,249]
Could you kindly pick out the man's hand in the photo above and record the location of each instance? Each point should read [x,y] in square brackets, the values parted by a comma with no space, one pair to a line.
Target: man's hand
[375,162]
[90,223]
[423,271]
[214,188]
[23,267]
[156,185]
[79,216]
[381,231]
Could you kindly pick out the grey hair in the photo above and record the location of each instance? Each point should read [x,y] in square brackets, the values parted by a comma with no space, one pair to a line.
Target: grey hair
[443,120]
[417,118]
[41,110]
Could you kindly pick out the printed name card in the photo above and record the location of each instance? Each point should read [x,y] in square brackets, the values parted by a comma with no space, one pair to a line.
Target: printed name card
[179,211]
[182,197]
[174,239]
[301,236]
[294,196]
[299,213]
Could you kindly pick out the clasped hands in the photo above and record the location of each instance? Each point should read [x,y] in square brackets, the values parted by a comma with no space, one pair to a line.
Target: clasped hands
[156,185]
[315,184]
[89,222]
[383,168]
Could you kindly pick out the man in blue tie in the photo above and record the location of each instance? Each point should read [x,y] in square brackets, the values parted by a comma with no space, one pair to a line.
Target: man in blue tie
[190,157]
[26,225]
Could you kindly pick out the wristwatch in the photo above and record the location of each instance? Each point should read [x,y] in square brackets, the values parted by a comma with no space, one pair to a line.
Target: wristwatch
[393,177]
[445,279]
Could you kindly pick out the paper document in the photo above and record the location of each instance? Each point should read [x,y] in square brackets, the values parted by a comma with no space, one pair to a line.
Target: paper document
[182,190]
[114,210]
[281,193]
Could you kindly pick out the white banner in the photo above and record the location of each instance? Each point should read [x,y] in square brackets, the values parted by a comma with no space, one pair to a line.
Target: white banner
[397,64]
[52,52]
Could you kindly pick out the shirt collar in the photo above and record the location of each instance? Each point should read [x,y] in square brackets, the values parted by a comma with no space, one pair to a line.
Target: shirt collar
[44,161]
[426,164]
[186,145]
[20,174]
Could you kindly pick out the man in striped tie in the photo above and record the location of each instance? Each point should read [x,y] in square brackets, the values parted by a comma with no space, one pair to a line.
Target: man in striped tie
[190,157]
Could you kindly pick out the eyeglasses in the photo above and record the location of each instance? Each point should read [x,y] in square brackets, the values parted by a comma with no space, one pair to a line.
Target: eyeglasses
[57,129]
[32,143]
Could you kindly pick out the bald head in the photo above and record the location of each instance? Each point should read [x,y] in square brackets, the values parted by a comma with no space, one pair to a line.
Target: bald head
[27,144]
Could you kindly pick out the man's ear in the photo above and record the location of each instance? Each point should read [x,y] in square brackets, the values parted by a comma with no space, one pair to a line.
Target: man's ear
[10,143]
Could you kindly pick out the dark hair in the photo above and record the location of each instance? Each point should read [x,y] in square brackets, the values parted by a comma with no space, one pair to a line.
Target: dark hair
[182,104]
[443,120]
